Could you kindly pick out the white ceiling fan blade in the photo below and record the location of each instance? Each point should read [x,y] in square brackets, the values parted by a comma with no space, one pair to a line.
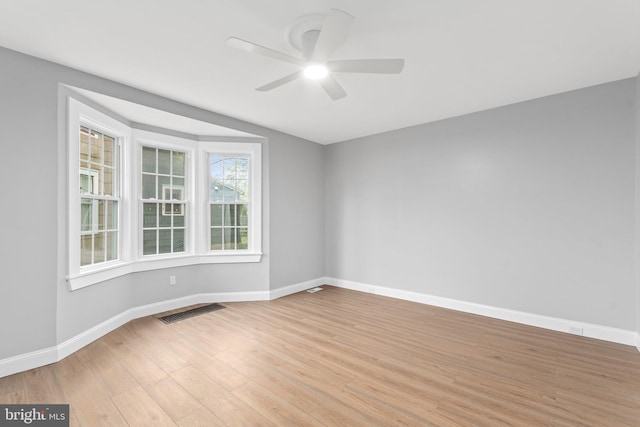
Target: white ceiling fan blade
[261,50]
[334,30]
[332,87]
[280,82]
[379,66]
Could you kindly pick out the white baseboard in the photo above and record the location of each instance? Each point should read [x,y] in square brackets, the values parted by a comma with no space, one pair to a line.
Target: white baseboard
[77,342]
[604,333]
[298,287]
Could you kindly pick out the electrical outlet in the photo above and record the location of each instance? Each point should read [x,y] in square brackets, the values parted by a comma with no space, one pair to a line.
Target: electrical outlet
[172,280]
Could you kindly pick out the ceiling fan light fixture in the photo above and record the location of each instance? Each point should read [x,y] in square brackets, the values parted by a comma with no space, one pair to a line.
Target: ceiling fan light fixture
[315,71]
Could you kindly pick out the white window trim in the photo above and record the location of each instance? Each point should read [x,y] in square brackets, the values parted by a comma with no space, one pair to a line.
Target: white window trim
[151,139]
[130,259]
[80,114]
[254,152]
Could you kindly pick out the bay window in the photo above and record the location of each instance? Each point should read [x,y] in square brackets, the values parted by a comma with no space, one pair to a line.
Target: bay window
[141,200]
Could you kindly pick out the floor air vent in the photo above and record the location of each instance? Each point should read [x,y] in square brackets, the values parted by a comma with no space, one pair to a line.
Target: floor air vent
[176,317]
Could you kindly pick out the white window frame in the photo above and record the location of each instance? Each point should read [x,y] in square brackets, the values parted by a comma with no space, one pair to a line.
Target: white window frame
[130,142]
[166,142]
[79,114]
[253,150]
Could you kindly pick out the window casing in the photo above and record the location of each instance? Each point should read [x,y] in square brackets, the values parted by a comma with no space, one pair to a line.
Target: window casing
[233,195]
[95,195]
[141,200]
[164,204]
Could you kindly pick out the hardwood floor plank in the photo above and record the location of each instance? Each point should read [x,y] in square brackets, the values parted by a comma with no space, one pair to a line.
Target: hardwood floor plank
[266,375]
[88,400]
[268,403]
[172,398]
[332,413]
[139,409]
[139,365]
[12,384]
[15,397]
[41,386]
[201,418]
[106,367]
[220,402]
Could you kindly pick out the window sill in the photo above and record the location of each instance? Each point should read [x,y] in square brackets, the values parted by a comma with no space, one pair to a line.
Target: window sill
[113,270]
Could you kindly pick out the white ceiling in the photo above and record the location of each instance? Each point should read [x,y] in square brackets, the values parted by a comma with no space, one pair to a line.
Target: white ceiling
[461,55]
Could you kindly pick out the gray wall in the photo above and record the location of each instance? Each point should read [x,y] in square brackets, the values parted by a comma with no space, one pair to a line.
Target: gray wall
[637,108]
[527,207]
[36,307]
[300,177]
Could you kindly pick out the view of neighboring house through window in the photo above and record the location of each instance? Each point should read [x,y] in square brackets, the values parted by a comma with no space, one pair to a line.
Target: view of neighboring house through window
[164,202]
[229,202]
[98,197]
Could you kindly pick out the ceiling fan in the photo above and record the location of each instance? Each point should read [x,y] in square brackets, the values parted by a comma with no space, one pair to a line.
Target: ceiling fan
[317,46]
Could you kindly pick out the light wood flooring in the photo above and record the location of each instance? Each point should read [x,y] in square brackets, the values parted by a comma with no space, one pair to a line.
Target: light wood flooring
[338,358]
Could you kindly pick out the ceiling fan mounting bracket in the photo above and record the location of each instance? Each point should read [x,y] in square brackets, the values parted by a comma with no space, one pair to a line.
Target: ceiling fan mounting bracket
[294,33]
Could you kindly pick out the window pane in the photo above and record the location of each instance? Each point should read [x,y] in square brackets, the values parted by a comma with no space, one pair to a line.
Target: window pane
[86,215]
[178,214]
[178,241]
[242,189]
[242,168]
[216,215]
[164,185]
[229,165]
[99,242]
[93,175]
[229,239]
[243,238]
[217,191]
[112,245]
[164,241]
[164,162]
[149,242]
[102,218]
[230,193]
[148,186]
[86,249]
[215,167]
[112,215]
[96,147]
[178,163]
[148,159]
[178,188]
[229,215]
[173,192]
[109,150]
[150,215]
[108,182]
[241,212]
[84,144]
[98,183]
[216,239]
[165,215]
